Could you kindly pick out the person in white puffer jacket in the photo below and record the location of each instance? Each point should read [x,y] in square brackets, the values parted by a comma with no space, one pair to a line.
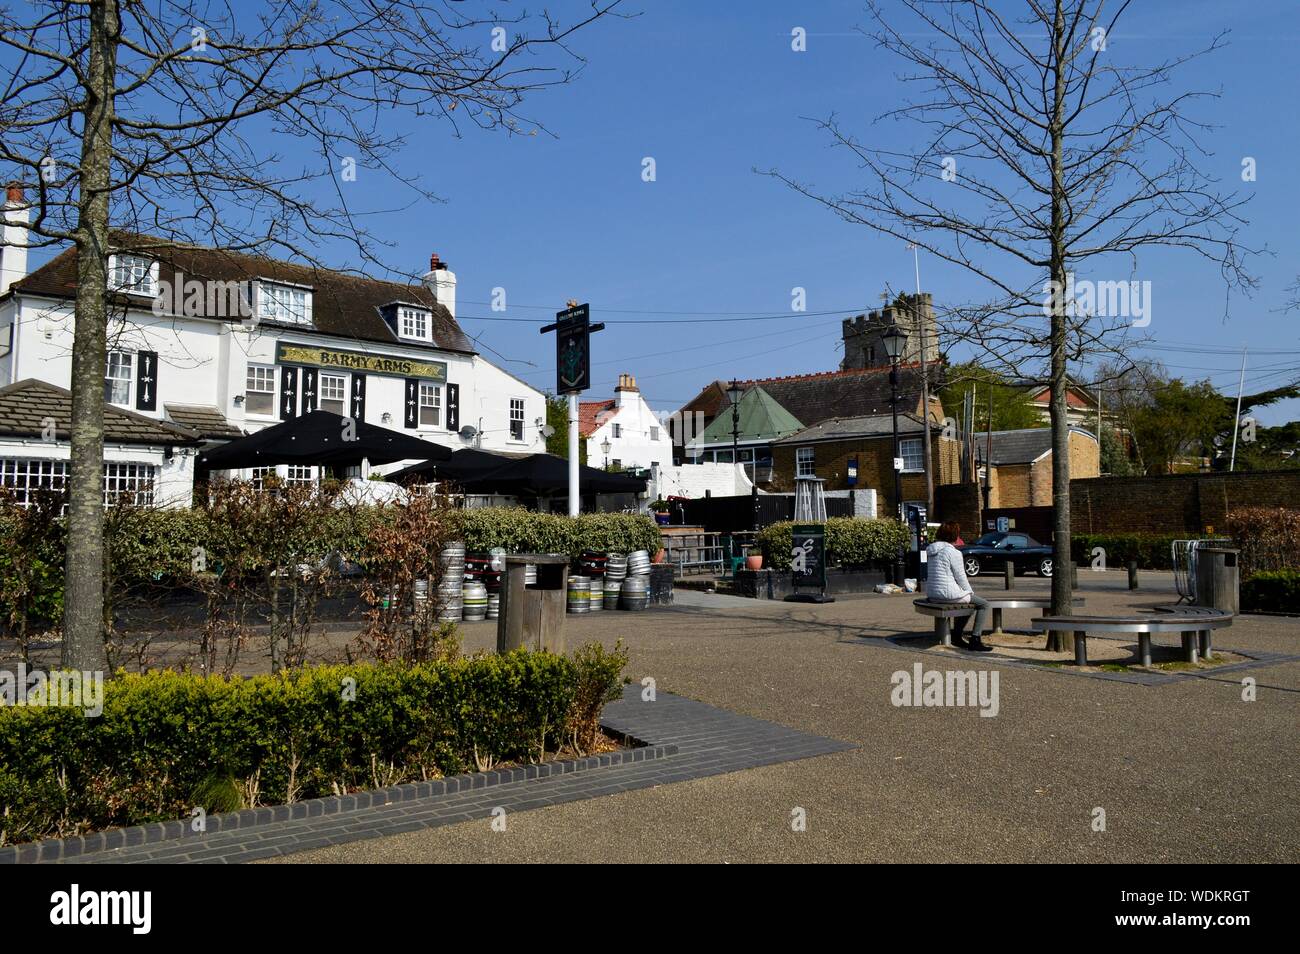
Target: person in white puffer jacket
[946,583]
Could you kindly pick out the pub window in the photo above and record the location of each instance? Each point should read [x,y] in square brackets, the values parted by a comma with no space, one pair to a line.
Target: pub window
[284,303]
[516,419]
[430,405]
[134,274]
[117,378]
[260,388]
[333,391]
[414,323]
[128,483]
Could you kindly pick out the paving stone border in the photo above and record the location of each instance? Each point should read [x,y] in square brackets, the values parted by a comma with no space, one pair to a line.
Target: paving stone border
[684,739]
[57,849]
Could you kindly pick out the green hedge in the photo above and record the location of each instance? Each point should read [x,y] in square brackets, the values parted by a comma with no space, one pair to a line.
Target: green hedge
[167,742]
[522,531]
[850,541]
[1271,591]
[1151,550]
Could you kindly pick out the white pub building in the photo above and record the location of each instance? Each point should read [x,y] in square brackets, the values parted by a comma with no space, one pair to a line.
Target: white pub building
[213,344]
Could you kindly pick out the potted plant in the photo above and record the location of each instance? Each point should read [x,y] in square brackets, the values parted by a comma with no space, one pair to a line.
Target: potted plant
[754,561]
[660,509]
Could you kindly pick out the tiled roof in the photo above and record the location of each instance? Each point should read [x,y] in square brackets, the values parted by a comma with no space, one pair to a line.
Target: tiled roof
[760,419]
[812,398]
[592,414]
[344,306]
[849,428]
[25,406]
[1021,446]
[204,419]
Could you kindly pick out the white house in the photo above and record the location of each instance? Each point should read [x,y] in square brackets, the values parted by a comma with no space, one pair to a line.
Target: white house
[223,343]
[636,436]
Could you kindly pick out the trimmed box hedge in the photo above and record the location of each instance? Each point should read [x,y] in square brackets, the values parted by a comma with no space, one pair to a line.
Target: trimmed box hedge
[850,542]
[1153,551]
[169,742]
[1271,591]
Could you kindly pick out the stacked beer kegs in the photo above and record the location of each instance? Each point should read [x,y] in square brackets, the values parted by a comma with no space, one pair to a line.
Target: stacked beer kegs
[450,597]
[474,596]
[615,567]
[593,565]
[494,606]
[635,591]
[610,593]
[579,594]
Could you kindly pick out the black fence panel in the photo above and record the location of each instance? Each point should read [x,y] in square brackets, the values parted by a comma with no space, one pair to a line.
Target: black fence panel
[730,514]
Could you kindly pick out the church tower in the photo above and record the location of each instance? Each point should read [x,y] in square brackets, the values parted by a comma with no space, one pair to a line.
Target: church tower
[864,346]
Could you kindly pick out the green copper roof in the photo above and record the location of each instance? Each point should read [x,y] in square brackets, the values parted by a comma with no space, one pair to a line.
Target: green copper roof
[761,419]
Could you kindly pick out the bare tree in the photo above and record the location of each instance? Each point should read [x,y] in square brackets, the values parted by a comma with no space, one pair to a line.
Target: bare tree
[1040,155]
[166,117]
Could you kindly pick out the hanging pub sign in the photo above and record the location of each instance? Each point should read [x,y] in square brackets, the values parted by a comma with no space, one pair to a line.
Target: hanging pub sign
[573,349]
[434,371]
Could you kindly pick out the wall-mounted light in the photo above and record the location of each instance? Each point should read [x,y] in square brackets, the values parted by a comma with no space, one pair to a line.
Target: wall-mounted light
[386,418]
[239,400]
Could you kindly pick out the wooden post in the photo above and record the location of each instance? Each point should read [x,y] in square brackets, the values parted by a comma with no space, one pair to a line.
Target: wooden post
[1132,574]
[1009,575]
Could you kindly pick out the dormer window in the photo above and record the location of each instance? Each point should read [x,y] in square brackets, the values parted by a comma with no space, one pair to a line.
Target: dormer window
[286,303]
[132,274]
[414,323]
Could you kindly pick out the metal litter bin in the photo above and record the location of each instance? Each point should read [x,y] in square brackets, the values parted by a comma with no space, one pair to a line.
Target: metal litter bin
[1218,578]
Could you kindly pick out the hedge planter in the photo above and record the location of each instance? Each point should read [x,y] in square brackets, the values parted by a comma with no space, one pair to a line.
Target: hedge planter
[776,584]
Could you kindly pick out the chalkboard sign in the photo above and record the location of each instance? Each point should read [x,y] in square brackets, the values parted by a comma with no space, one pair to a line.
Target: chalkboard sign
[808,558]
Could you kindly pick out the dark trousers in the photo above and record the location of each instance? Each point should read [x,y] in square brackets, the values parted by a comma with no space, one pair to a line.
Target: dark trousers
[981,618]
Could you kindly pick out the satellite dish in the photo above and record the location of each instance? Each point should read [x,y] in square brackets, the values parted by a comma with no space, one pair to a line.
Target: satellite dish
[547,430]
[467,433]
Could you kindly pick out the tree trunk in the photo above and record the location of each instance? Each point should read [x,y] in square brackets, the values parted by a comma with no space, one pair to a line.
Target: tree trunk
[83,616]
[1061,589]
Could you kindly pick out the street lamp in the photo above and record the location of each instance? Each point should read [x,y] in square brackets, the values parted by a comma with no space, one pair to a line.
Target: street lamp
[734,394]
[894,340]
[605,447]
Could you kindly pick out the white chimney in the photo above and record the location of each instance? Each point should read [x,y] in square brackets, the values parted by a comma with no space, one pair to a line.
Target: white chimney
[13,249]
[441,280]
[626,388]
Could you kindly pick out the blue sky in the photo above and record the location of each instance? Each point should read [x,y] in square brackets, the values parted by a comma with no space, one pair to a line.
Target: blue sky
[712,90]
[711,93]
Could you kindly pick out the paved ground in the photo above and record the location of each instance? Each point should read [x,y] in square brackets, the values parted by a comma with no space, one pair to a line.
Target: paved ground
[1184,770]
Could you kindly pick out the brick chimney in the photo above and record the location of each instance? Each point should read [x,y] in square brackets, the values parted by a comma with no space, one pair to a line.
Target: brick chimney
[13,249]
[441,280]
[624,393]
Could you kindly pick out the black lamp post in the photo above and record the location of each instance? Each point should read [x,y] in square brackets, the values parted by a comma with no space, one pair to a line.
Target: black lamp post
[734,394]
[894,340]
[605,447]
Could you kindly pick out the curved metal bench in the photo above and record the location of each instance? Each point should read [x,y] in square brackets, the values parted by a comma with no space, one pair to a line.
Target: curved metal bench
[943,612]
[1189,625]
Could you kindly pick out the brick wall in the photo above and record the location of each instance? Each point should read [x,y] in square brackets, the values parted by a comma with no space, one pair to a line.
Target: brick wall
[1177,503]
[960,502]
[875,458]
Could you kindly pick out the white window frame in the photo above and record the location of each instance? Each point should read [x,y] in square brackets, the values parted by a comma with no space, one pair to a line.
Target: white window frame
[276,302]
[912,448]
[616,430]
[26,475]
[261,374]
[517,405]
[654,434]
[805,462]
[321,380]
[414,323]
[144,274]
[127,359]
[434,391]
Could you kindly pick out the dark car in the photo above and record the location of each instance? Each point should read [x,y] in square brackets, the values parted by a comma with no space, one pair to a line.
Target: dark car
[993,550]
